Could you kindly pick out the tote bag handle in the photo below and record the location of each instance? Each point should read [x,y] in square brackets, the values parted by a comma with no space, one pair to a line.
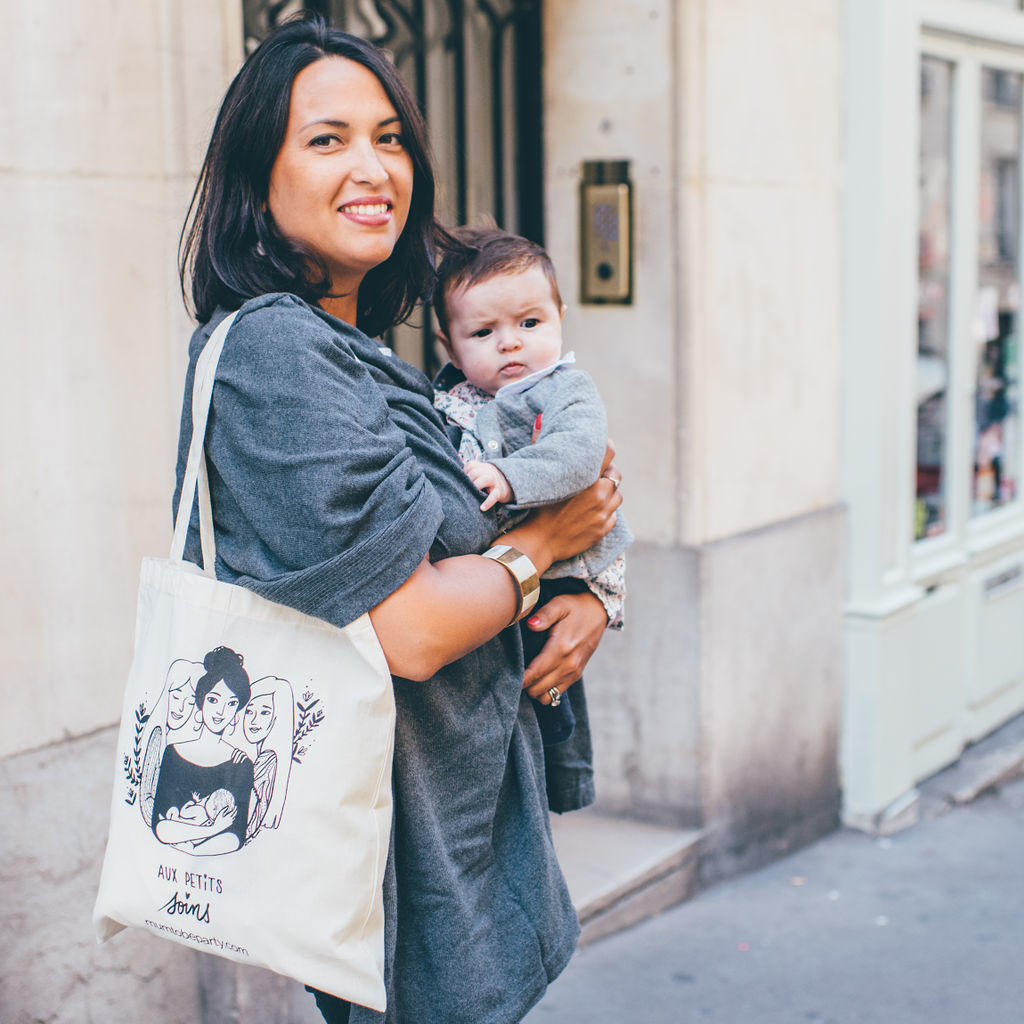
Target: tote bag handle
[196,478]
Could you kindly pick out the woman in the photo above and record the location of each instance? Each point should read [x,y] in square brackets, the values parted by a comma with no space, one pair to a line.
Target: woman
[269,726]
[337,491]
[194,770]
[173,711]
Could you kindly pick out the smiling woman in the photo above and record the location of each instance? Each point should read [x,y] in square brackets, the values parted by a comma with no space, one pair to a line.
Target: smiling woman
[342,182]
[289,113]
[336,491]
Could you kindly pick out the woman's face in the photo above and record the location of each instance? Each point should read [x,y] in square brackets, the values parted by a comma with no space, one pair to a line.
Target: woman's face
[259,717]
[342,180]
[219,708]
[179,702]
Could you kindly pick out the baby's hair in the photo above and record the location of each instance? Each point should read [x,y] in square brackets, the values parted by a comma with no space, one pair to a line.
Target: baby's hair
[489,252]
[218,800]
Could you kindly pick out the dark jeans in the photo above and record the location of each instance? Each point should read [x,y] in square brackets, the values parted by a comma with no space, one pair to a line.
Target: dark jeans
[332,1009]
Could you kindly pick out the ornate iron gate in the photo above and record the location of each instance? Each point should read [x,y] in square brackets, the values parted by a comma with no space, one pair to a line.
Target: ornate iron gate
[475,66]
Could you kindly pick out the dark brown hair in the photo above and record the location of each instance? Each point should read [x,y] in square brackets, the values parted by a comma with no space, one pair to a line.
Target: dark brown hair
[231,249]
[487,252]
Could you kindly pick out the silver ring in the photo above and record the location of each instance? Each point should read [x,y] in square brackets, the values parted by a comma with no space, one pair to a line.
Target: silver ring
[556,697]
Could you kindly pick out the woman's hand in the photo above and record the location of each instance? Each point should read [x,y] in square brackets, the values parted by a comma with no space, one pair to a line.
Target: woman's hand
[223,819]
[577,622]
[559,531]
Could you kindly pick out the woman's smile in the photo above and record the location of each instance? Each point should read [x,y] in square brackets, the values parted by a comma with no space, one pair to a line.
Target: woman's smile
[373,211]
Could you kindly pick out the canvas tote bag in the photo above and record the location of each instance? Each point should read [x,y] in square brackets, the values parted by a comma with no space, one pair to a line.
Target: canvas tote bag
[251,811]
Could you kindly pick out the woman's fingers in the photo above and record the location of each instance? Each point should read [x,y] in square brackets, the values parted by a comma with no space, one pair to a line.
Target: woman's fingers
[609,454]
[608,471]
[575,623]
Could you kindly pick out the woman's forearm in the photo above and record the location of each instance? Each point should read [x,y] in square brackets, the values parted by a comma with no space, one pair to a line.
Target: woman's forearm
[449,608]
[171,831]
[443,611]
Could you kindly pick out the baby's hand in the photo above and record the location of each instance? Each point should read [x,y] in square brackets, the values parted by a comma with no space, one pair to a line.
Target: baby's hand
[490,479]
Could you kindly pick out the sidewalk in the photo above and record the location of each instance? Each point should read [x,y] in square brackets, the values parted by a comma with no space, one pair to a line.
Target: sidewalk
[924,927]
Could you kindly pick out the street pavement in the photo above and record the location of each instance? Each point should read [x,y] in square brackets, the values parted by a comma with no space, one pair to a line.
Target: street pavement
[924,927]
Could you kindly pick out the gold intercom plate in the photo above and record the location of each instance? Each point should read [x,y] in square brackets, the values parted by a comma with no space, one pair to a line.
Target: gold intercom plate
[605,243]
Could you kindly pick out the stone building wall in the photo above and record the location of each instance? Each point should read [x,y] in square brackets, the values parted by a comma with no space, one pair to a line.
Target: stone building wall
[107,107]
[718,707]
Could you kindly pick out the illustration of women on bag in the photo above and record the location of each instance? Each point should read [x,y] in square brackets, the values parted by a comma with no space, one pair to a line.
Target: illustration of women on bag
[172,720]
[205,783]
[268,724]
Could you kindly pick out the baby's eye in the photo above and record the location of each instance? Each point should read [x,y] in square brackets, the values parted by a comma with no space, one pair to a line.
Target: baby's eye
[530,321]
[482,333]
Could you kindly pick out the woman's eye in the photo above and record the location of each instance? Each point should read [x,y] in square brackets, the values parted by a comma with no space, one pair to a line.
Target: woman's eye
[391,139]
[530,321]
[323,141]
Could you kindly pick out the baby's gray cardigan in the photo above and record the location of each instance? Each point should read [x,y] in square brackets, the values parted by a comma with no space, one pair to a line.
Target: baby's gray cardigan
[565,458]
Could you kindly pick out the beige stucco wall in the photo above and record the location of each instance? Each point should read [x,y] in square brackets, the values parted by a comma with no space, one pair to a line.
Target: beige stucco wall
[105,113]
[104,118]
[760,181]
[722,386]
[722,377]
[609,93]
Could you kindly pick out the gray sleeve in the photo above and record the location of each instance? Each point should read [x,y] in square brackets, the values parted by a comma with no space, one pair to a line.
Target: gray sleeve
[567,455]
[324,506]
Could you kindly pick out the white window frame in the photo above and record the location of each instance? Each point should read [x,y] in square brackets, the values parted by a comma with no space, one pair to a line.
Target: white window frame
[971,36]
[884,40]
[998,526]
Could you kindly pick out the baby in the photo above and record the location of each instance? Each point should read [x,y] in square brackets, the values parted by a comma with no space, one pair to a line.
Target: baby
[534,430]
[202,812]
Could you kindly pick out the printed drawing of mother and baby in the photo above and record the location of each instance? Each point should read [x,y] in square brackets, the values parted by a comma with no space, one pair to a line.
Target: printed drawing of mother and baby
[218,755]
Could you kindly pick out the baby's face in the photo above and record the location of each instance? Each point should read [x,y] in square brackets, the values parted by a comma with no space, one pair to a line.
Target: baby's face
[504,328]
[192,811]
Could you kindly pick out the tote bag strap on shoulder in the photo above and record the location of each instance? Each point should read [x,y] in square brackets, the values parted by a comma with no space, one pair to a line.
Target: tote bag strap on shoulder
[196,478]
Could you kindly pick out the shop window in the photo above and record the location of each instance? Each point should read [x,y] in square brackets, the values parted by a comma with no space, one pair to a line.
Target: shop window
[935,203]
[997,386]
[970,210]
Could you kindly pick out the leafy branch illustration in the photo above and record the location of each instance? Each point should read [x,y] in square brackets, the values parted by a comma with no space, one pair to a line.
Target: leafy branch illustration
[310,716]
[133,761]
